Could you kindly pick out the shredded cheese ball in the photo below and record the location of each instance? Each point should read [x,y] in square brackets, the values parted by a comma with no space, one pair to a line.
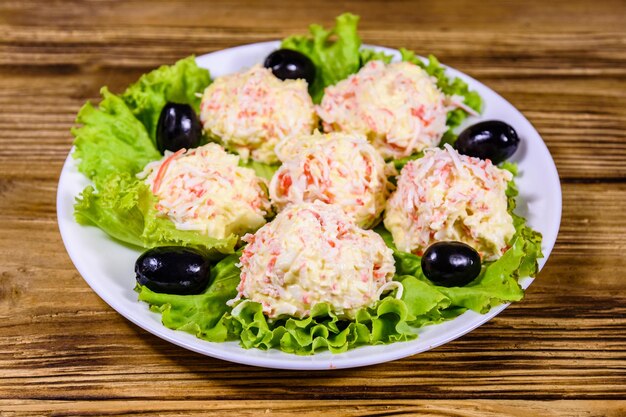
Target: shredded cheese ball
[397,106]
[249,112]
[204,189]
[313,253]
[447,196]
[335,168]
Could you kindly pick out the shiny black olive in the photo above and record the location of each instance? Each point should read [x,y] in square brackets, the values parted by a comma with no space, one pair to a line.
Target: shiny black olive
[451,264]
[492,140]
[178,128]
[290,65]
[173,270]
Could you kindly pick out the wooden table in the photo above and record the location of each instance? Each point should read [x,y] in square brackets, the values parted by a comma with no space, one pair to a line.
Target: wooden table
[562,351]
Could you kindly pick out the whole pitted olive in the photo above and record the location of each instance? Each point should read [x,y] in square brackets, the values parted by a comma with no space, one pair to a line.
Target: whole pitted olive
[178,128]
[290,65]
[491,139]
[173,270]
[451,264]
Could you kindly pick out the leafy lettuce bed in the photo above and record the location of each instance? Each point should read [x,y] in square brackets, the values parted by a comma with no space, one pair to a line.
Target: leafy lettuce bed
[390,320]
[116,139]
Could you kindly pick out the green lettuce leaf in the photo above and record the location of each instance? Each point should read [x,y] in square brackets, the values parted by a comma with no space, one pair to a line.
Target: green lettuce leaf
[368,55]
[261,169]
[178,83]
[334,60]
[497,283]
[111,139]
[424,302]
[384,323]
[113,145]
[532,239]
[401,162]
[204,315]
[124,208]
[512,168]
[115,208]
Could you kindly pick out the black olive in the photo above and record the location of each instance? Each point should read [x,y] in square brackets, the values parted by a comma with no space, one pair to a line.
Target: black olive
[290,65]
[173,270]
[451,264]
[492,140]
[178,128]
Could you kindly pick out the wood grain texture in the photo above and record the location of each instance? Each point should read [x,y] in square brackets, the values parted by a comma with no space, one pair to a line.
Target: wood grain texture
[560,352]
[307,408]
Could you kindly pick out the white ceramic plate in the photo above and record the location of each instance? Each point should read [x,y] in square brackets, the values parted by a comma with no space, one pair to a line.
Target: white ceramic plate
[107,266]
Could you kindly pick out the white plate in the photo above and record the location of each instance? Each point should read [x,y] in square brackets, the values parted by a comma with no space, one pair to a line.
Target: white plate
[107,266]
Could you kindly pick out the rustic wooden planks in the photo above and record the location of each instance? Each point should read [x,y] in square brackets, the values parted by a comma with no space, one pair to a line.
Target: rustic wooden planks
[560,352]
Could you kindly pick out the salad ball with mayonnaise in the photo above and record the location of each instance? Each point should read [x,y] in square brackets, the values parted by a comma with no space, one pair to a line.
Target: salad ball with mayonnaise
[313,253]
[397,106]
[205,189]
[249,112]
[445,196]
[335,168]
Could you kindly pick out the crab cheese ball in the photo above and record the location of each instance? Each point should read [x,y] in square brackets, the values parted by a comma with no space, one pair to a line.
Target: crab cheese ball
[335,168]
[205,189]
[289,149]
[249,112]
[448,196]
[313,253]
[397,106]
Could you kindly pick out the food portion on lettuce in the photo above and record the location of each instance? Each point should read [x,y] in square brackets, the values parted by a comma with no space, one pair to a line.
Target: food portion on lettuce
[205,190]
[396,317]
[466,101]
[389,320]
[334,168]
[125,209]
[397,106]
[248,112]
[115,141]
[338,53]
[314,253]
[207,317]
[310,280]
[446,196]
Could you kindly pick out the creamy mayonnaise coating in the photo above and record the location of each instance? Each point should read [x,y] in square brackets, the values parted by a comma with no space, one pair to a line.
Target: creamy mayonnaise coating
[336,168]
[397,106]
[448,196]
[312,253]
[249,112]
[204,189]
